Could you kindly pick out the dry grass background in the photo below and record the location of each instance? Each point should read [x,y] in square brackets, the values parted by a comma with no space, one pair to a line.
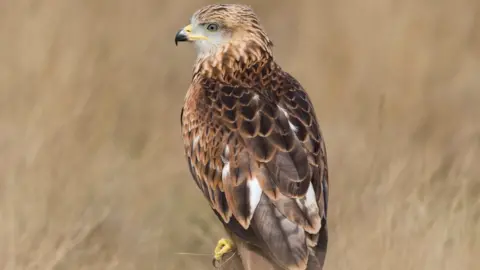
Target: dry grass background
[92,168]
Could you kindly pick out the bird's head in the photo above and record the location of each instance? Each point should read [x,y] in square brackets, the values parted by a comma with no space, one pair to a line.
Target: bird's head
[225,28]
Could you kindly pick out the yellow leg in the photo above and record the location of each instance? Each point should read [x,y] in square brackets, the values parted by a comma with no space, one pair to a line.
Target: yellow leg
[223,247]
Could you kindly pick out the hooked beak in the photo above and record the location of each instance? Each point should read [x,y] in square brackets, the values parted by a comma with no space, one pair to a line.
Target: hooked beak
[185,34]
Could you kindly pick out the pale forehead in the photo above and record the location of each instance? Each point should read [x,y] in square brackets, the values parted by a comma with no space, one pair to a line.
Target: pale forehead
[223,12]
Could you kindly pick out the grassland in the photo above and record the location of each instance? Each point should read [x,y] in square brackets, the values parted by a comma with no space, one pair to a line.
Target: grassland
[91,163]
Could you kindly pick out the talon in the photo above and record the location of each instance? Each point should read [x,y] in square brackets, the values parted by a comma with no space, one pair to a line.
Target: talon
[223,247]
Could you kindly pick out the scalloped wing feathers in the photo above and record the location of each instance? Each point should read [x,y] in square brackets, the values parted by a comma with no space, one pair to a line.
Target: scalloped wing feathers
[256,152]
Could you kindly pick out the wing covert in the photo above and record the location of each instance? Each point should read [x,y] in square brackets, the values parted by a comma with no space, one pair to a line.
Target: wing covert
[246,146]
[242,142]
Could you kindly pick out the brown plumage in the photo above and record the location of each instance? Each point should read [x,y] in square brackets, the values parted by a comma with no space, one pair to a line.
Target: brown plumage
[252,140]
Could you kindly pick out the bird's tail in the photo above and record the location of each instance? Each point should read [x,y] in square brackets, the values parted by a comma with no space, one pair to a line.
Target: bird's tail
[316,260]
[249,257]
[283,243]
[279,244]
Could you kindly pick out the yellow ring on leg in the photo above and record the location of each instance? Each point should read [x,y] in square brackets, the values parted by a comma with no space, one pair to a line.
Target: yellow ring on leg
[224,246]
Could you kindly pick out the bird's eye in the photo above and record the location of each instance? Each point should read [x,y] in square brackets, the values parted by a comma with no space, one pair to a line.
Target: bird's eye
[212,27]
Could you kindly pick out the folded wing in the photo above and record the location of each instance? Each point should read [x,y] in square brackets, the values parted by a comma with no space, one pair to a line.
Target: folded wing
[259,158]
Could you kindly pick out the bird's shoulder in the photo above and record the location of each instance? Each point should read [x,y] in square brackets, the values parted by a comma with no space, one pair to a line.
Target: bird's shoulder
[252,109]
[273,112]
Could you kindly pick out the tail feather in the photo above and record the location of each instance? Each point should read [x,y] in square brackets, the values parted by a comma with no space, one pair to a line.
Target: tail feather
[251,257]
[284,240]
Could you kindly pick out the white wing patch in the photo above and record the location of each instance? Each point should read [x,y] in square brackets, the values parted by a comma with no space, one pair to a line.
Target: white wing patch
[255,193]
[310,199]
[283,110]
[226,155]
[225,171]
[195,141]
[292,126]
[309,205]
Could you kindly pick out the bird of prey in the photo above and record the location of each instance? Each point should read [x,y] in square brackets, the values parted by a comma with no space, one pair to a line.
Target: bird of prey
[252,141]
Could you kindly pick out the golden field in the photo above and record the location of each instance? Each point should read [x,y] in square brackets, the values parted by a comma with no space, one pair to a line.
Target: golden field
[92,168]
